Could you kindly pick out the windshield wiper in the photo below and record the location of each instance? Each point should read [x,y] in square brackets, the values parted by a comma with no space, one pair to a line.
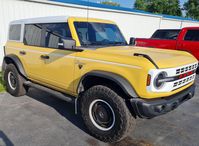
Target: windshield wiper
[120,43]
[104,44]
[95,43]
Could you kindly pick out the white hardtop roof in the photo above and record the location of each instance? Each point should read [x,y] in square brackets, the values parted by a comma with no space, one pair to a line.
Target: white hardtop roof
[51,19]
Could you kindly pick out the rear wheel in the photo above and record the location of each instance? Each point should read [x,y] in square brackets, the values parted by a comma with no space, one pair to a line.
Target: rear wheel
[14,81]
[105,114]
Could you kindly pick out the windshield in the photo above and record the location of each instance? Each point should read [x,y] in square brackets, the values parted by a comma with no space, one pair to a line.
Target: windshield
[99,34]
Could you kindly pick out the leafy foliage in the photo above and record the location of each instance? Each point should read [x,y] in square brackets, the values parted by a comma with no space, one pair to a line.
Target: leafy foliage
[192,9]
[2,86]
[110,3]
[169,7]
[141,4]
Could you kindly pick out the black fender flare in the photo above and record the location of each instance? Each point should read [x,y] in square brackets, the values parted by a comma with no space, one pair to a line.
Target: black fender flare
[119,80]
[16,61]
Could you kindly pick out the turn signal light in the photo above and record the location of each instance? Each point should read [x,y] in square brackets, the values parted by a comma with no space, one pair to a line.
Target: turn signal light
[148,80]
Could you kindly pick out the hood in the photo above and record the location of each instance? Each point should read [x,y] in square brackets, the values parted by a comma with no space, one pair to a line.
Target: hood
[161,57]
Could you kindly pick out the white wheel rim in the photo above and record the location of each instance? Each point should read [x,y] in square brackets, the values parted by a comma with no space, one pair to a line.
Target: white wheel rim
[92,119]
[10,75]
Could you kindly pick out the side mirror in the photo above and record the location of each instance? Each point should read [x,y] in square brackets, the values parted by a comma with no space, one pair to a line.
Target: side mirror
[68,44]
[132,41]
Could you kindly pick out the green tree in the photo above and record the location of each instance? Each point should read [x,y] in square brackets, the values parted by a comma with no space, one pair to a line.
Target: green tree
[141,5]
[110,3]
[192,9]
[169,7]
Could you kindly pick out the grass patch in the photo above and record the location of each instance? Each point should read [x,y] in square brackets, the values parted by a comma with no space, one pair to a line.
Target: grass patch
[2,87]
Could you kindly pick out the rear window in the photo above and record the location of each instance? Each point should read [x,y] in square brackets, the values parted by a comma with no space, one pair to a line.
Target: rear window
[166,34]
[15,32]
[192,35]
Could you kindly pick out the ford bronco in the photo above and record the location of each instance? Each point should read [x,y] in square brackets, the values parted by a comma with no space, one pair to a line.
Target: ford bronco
[88,62]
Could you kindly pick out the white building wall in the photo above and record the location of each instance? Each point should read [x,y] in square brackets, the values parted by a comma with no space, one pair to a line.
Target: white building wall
[187,24]
[132,24]
[168,24]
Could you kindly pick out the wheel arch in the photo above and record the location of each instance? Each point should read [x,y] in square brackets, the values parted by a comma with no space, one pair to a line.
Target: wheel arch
[16,61]
[99,76]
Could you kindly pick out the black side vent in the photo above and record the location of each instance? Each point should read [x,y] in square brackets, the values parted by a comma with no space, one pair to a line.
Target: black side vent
[147,57]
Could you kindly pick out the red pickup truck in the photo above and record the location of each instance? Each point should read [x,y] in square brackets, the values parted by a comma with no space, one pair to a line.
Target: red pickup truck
[186,39]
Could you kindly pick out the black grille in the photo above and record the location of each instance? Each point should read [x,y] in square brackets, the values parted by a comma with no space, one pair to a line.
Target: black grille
[186,69]
[178,83]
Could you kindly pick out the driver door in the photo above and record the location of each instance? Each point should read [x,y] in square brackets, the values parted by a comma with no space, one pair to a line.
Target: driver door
[56,64]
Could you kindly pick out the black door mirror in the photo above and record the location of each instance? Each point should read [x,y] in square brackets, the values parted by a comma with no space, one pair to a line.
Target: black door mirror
[132,41]
[68,43]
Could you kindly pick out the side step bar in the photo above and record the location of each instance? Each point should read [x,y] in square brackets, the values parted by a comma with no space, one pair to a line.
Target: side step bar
[60,95]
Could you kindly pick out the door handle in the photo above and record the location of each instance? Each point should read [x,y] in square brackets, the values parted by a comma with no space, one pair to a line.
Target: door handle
[22,52]
[45,57]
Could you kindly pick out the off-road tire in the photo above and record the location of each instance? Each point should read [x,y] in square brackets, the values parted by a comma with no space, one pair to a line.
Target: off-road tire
[20,89]
[124,121]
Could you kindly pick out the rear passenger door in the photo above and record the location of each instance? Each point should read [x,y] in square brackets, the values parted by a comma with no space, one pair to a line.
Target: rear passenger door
[191,42]
[31,50]
[49,63]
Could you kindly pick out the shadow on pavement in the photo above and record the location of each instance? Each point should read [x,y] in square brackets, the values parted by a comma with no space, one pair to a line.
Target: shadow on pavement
[67,110]
[4,140]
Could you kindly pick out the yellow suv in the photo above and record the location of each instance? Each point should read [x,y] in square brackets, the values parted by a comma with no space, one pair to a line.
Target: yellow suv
[88,62]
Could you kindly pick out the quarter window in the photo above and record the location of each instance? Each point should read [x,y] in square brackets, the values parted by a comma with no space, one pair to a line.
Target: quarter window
[15,32]
[192,35]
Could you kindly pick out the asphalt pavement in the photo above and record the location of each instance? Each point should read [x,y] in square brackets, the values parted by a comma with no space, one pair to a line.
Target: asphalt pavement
[40,119]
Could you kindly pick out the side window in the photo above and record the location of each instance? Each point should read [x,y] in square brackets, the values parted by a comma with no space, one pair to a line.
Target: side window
[33,34]
[15,32]
[55,32]
[166,34]
[192,35]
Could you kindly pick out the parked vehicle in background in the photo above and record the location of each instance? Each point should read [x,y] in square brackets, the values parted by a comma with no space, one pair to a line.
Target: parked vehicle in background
[88,62]
[186,39]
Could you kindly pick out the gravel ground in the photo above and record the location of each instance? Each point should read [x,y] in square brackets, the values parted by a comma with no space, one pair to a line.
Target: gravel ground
[39,119]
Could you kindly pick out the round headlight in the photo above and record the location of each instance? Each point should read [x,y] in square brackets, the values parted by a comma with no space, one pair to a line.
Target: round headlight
[158,81]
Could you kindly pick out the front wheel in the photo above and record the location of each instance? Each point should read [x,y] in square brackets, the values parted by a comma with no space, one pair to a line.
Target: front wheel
[105,114]
[14,81]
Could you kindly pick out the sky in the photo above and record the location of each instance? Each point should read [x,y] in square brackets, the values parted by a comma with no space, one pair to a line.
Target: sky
[126,3]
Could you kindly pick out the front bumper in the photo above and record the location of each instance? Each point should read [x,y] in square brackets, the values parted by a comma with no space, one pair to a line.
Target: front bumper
[156,107]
